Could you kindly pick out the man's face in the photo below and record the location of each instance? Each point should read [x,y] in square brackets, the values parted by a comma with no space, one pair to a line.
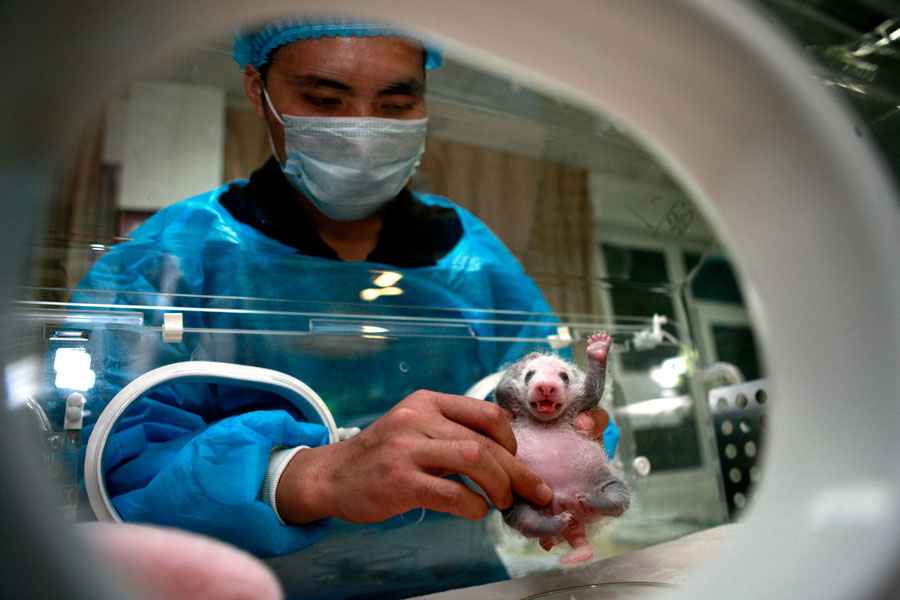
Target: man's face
[341,77]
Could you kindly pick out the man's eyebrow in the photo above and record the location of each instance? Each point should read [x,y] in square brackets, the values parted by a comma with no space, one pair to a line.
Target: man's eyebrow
[319,82]
[407,87]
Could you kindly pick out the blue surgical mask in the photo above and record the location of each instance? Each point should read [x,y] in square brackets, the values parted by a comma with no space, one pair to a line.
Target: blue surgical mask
[349,167]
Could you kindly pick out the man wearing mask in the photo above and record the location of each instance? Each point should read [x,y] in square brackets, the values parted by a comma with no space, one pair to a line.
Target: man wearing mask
[345,110]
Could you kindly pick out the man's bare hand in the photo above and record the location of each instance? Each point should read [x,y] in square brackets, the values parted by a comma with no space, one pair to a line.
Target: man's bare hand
[400,461]
[593,423]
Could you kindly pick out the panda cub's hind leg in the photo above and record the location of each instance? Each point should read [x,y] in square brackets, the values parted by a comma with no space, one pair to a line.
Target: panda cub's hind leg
[533,523]
[610,498]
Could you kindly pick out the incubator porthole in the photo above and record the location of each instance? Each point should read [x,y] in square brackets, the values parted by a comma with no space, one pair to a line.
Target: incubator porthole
[741,401]
[727,427]
[731,451]
[734,474]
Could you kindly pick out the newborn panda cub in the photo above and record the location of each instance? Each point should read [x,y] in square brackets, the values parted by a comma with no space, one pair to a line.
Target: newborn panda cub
[545,393]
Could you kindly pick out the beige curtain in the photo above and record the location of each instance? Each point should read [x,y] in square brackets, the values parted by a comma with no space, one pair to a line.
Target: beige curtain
[82,213]
[246,142]
[539,209]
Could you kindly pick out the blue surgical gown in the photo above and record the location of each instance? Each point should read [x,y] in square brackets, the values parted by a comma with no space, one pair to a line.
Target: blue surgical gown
[193,455]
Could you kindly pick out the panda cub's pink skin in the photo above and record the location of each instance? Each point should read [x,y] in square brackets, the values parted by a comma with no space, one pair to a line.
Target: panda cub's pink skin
[545,393]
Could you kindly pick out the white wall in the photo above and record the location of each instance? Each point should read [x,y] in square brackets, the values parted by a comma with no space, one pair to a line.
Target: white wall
[173,146]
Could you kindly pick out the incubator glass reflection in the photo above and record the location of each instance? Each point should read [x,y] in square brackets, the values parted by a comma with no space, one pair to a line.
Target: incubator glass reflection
[530,224]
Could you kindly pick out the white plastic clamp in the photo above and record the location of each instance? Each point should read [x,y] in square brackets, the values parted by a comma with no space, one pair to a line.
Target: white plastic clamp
[172,328]
[562,339]
[74,411]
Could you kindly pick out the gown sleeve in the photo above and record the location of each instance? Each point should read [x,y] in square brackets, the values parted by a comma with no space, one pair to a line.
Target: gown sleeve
[209,481]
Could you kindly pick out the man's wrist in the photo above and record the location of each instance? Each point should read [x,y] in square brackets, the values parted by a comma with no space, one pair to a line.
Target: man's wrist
[278,462]
[302,491]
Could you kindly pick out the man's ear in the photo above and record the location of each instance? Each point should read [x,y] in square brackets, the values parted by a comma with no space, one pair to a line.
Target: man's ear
[254,90]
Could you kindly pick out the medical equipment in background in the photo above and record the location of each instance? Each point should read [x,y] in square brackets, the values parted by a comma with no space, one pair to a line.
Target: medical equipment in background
[727,103]
[738,416]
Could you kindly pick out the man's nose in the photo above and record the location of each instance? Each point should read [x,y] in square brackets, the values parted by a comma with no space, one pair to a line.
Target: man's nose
[362,107]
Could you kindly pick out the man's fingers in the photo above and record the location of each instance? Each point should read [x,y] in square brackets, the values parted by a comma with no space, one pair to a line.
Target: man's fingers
[523,481]
[592,423]
[473,459]
[480,415]
[447,496]
[480,429]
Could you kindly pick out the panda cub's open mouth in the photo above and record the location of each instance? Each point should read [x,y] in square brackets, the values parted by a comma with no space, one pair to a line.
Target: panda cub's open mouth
[545,406]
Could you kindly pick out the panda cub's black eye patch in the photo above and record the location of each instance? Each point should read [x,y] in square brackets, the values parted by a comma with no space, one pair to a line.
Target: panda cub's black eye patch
[528,376]
[564,376]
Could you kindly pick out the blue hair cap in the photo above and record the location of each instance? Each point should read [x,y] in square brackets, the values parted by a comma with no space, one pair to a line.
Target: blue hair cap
[253,46]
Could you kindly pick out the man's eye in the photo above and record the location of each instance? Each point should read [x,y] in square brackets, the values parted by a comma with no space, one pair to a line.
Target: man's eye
[322,100]
[397,106]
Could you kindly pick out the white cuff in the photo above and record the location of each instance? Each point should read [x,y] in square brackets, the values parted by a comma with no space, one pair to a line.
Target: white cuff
[278,461]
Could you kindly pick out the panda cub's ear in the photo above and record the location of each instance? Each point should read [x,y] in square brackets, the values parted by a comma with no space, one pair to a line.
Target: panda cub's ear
[506,394]
[528,358]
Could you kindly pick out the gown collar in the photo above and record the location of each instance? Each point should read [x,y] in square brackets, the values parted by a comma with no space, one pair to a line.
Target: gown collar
[414,234]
